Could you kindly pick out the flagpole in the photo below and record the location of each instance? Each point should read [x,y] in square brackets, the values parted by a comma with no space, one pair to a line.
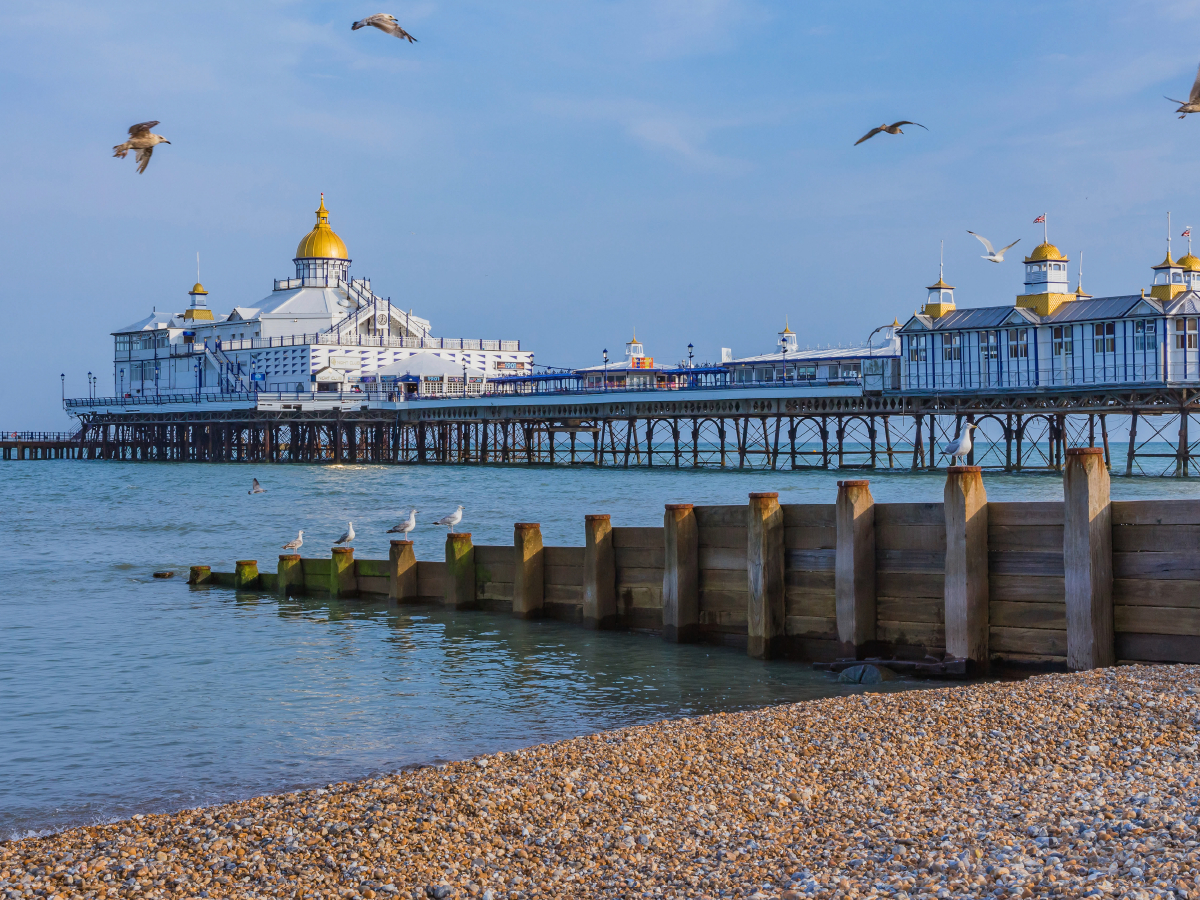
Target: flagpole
[1168,234]
[1045,229]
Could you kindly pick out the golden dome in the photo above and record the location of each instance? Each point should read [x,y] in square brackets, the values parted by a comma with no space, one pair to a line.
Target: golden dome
[1043,251]
[786,328]
[1189,262]
[198,288]
[1167,263]
[321,242]
[940,286]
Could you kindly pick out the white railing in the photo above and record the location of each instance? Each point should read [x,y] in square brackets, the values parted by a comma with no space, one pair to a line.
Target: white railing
[353,340]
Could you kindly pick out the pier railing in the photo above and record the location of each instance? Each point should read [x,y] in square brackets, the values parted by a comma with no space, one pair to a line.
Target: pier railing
[354,340]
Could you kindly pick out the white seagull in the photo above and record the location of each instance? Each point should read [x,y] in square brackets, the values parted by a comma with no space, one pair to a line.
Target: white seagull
[296,544]
[256,488]
[1192,103]
[348,536]
[995,256]
[385,23]
[453,519]
[960,446]
[405,527]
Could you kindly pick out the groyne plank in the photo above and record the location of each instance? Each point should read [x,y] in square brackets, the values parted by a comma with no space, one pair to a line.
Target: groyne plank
[930,635]
[894,514]
[811,605]
[809,515]
[1026,562]
[563,556]
[929,610]
[807,581]
[640,558]
[1147,592]
[642,596]
[431,579]
[1173,566]
[1007,614]
[721,516]
[563,593]
[724,580]
[1155,538]
[723,558]
[820,627]
[810,538]
[371,568]
[721,536]
[1155,512]
[925,562]
[373,584]
[810,560]
[493,590]
[906,584]
[1042,512]
[910,537]
[1004,538]
[1157,620]
[1028,588]
[1028,641]
[632,575]
[1157,647]
[637,538]
[564,575]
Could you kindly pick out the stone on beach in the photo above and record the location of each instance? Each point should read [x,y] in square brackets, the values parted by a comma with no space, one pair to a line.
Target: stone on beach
[1058,786]
[866,674]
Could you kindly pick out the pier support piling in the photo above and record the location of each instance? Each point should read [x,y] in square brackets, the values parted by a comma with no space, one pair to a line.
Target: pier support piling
[681,574]
[529,592]
[599,573]
[245,575]
[1087,559]
[966,578]
[402,571]
[854,584]
[460,571]
[342,582]
[290,572]
[200,575]
[765,576]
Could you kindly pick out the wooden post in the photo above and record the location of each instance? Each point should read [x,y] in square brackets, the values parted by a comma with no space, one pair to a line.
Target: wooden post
[402,571]
[966,579]
[529,591]
[460,570]
[342,582]
[290,574]
[245,575]
[599,573]
[681,574]
[764,571]
[1087,559]
[200,575]
[854,585]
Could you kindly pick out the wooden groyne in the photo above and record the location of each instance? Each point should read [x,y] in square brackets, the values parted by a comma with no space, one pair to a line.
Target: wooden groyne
[963,583]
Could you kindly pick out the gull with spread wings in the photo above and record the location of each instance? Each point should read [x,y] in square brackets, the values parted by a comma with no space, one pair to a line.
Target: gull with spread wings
[996,256]
[894,128]
[143,140]
[385,23]
[1192,103]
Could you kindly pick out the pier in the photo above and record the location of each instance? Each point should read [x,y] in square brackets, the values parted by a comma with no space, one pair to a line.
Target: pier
[44,445]
[954,587]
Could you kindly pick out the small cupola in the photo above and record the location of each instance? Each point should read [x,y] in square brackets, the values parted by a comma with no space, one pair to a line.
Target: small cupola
[198,309]
[940,299]
[1047,282]
[787,338]
[633,348]
[1169,274]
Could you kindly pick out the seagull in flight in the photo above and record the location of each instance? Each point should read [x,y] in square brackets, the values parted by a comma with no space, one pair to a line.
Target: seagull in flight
[385,23]
[961,446]
[143,140]
[405,527]
[453,519]
[296,544]
[1192,103]
[996,256]
[256,488]
[894,128]
[348,536]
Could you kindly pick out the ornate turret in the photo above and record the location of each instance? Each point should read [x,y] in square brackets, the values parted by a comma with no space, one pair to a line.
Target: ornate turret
[1168,274]
[1047,285]
[321,255]
[198,310]
[940,299]
[787,338]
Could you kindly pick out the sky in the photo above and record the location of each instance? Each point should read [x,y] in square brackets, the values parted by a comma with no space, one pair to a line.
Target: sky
[565,172]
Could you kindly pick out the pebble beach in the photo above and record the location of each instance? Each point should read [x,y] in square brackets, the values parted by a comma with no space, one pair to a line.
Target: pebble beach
[1056,786]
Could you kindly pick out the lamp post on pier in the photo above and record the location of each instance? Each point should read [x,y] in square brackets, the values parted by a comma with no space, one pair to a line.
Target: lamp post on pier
[156,379]
[91,393]
[121,392]
[63,378]
[606,368]
[691,365]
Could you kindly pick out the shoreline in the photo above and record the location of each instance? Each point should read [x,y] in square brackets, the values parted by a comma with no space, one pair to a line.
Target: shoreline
[1056,786]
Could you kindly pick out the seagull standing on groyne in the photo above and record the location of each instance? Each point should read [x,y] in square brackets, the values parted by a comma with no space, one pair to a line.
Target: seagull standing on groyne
[348,536]
[453,519]
[960,447]
[296,544]
[405,527]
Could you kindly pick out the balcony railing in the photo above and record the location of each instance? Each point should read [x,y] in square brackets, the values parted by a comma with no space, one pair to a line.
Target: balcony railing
[353,340]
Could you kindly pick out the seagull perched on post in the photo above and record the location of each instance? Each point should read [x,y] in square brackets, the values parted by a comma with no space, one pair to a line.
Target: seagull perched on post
[405,527]
[348,536]
[385,23]
[894,128]
[453,519]
[256,488]
[296,544]
[1192,103]
[960,446]
[143,141]
[996,256]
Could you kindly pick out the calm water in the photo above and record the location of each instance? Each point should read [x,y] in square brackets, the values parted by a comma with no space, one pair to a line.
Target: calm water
[120,693]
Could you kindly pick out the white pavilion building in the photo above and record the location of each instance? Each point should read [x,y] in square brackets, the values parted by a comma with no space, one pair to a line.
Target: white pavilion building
[322,330]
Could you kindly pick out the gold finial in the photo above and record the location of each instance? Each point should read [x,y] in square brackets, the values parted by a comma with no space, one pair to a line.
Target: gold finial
[786,328]
[895,322]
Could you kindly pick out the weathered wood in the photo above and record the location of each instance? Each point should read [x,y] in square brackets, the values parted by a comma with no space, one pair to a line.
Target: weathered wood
[807,580]
[1007,614]
[636,575]
[528,586]
[909,514]
[809,538]
[809,515]
[572,575]
[402,572]
[1030,641]
[1006,538]
[854,567]
[966,575]
[245,574]
[200,575]
[1157,566]
[289,575]
[1155,512]
[1088,559]
[637,538]
[1039,513]
[1158,647]
[563,593]
[901,585]
[342,582]
[431,580]
[714,599]
[1144,592]
[460,571]
[910,609]
[926,562]
[564,556]
[823,627]
[599,573]
[814,605]
[680,574]
[1157,620]
[726,536]
[810,560]
[724,579]
[721,516]
[911,537]
[1156,538]
[630,558]
[722,558]
[911,634]
[1027,563]
[372,584]
[764,571]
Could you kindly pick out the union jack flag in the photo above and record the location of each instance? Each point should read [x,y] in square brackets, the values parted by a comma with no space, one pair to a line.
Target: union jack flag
[1041,218]
[1187,232]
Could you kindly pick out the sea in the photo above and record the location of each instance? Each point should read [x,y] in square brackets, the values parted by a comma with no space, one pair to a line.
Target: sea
[121,693]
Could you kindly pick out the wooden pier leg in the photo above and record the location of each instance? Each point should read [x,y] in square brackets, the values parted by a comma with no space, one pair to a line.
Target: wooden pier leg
[887,437]
[695,443]
[200,575]
[931,458]
[342,582]
[1008,436]
[1087,559]
[1132,452]
[841,441]
[599,573]
[918,443]
[854,575]
[681,574]
[529,571]
[721,435]
[460,570]
[872,434]
[1104,440]
[402,571]
[290,575]
[966,578]
[245,574]
[792,438]
[1181,456]
[764,571]
[675,437]
[825,441]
